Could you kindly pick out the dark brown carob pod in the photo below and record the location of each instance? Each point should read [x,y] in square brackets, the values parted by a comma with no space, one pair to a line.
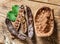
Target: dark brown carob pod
[13,31]
[30,24]
[29,18]
[44,22]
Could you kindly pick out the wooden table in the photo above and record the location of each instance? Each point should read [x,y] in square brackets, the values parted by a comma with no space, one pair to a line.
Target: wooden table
[53,39]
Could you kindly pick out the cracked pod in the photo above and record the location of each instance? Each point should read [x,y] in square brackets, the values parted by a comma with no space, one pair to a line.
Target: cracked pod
[23,26]
[20,22]
[24,21]
[44,22]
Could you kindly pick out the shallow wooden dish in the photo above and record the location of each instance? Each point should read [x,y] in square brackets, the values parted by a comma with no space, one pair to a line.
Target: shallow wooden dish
[44,22]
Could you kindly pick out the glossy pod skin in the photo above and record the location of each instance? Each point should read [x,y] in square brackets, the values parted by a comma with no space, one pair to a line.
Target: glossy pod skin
[29,18]
[30,24]
[13,31]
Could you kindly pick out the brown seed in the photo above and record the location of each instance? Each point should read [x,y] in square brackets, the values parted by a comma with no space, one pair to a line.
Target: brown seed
[18,20]
[16,25]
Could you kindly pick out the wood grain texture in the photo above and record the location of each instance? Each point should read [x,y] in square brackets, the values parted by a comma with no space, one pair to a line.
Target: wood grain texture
[56,2]
[54,38]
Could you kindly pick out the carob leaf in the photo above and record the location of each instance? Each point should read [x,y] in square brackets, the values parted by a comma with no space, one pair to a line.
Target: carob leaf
[13,14]
[15,9]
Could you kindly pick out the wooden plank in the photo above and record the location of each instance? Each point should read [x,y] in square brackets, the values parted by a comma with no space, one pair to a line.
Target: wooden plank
[49,1]
[34,7]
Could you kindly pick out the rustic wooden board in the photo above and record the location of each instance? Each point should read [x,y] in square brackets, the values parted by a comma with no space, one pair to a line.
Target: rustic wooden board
[54,38]
[48,1]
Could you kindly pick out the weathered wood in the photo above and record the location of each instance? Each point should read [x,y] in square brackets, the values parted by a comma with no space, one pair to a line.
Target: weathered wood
[54,2]
[53,39]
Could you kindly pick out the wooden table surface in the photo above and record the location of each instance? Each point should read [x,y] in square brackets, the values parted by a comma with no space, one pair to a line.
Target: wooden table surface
[53,39]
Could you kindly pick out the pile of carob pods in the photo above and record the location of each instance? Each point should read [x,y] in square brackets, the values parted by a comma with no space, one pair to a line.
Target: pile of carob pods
[19,18]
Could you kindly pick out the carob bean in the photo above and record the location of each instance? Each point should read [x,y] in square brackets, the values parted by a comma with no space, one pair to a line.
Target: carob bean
[30,23]
[13,31]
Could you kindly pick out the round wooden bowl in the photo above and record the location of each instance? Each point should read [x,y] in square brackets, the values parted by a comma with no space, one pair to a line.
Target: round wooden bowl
[44,22]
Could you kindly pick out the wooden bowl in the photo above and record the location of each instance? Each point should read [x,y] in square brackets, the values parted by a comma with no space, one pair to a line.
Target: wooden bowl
[44,22]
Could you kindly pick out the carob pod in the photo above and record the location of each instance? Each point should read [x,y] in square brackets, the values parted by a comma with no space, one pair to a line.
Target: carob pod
[20,20]
[13,31]
[29,20]
[20,35]
[30,23]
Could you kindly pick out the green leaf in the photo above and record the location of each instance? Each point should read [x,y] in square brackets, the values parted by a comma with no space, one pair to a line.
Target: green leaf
[15,10]
[11,16]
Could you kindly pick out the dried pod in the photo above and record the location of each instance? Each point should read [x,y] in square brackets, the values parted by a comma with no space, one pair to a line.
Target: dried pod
[23,22]
[13,31]
[20,20]
[30,22]
[44,22]
[20,36]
